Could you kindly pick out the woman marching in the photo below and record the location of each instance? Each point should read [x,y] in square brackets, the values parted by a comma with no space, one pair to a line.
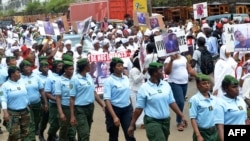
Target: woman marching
[62,92]
[82,97]
[15,101]
[117,99]
[35,90]
[155,97]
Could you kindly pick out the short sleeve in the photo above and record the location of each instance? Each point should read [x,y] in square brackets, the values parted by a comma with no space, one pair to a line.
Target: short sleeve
[147,62]
[73,89]
[219,113]
[171,96]
[107,89]
[195,55]
[3,97]
[192,108]
[141,98]
[58,90]
[40,83]
[168,59]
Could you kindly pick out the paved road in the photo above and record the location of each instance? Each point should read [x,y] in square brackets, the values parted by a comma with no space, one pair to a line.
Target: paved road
[98,132]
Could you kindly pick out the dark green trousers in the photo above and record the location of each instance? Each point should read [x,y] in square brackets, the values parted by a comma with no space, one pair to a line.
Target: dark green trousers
[157,129]
[18,125]
[66,130]
[84,119]
[53,119]
[35,111]
[44,116]
[210,134]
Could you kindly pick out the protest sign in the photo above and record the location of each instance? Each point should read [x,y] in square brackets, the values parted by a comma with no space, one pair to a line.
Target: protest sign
[100,63]
[47,28]
[241,37]
[200,10]
[141,18]
[140,5]
[83,26]
[229,36]
[62,24]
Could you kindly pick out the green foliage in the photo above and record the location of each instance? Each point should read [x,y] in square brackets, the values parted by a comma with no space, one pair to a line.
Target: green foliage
[157,3]
[34,8]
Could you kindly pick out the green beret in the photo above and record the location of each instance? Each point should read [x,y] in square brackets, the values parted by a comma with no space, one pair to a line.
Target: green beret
[67,57]
[57,62]
[43,63]
[155,65]
[68,63]
[12,69]
[10,57]
[82,61]
[231,80]
[202,77]
[117,60]
[41,58]
[25,63]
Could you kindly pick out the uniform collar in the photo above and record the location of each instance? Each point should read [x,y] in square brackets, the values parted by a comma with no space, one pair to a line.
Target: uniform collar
[82,77]
[153,84]
[31,75]
[201,97]
[229,100]
[64,78]
[117,78]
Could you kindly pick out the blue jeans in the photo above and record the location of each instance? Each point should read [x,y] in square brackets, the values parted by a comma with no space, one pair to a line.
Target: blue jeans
[179,92]
[125,116]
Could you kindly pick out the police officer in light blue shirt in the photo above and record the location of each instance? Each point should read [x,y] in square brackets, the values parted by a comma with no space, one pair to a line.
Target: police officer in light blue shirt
[14,101]
[117,99]
[35,90]
[201,111]
[49,89]
[155,97]
[62,92]
[232,109]
[82,96]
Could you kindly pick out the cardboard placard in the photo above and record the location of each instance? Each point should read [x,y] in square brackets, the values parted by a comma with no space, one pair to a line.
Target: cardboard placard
[229,35]
[241,37]
[47,28]
[141,19]
[200,10]
[62,23]
[83,26]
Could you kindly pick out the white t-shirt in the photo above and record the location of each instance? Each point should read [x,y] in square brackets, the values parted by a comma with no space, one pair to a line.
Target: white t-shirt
[149,59]
[179,73]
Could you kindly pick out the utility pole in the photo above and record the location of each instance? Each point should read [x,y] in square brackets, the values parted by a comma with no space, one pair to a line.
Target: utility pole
[149,7]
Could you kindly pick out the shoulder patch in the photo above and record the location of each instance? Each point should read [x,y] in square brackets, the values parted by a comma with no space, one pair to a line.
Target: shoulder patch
[190,105]
[1,93]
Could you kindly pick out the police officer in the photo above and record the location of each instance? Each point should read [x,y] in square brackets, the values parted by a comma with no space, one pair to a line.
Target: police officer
[231,109]
[57,66]
[34,88]
[62,92]
[201,106]
[155,97]
[14,100]
[82,96]
[117,99]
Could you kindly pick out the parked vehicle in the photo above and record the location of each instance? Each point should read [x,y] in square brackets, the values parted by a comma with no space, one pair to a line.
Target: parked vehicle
[240,17]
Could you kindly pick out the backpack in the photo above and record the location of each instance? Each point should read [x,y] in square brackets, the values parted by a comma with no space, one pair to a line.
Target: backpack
[207,62]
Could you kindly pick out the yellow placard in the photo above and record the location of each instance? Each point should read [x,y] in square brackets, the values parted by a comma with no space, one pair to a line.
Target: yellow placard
[140,5]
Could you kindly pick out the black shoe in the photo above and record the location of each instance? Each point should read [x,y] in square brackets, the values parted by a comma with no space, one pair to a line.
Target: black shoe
[72,139]
[41,137]
[52,138]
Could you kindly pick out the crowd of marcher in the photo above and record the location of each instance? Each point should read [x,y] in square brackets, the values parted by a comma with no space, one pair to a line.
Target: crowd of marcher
[53,82]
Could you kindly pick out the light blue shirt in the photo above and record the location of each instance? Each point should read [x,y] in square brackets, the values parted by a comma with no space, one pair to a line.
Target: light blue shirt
[62,88]
[212,45]
[14,95]
[3,74]
[117,90]
[155,99]
[33,86]
[83,89]
[231,111]
[50,85]
[202,109]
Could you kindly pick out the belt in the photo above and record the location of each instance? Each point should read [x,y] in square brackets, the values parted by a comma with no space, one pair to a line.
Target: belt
[20,110]
[213,128]
[164,119]
[65,107]
[83,106]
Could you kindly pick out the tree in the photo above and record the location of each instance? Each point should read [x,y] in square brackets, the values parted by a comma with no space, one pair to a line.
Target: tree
[34,8]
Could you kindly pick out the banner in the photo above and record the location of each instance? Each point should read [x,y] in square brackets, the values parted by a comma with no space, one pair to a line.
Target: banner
[200,10]
[83,27]
[100,65]
[47,28]
[241,37]
[140,6]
